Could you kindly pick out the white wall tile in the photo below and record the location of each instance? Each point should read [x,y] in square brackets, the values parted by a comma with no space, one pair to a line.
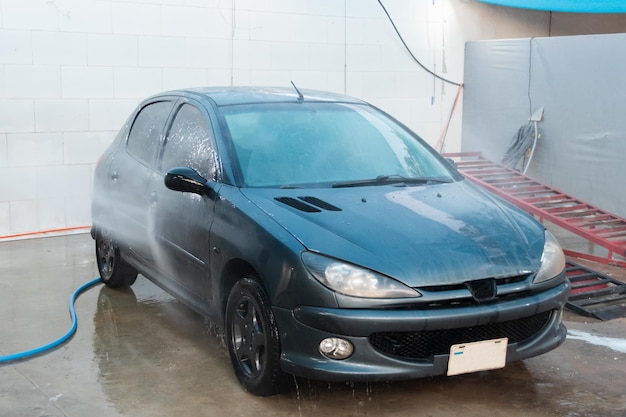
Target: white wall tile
[270,78]
[252,54]
[87,82]
[78,210]
[317,80]
[85,16]
[18,183]
[360,58]
[164,2]
[85,147]
[34,149]
[32,81]
[51,214]
[326,57]
[37,215]
[5,218]
[336,82]
[109,114]
[257,5]
[336,30]
[412,84]
[240,27]
[289,6]
[136,19]
[363,9]
[57,115]
[269,26]
[2,82]
[3,152]
[161,51]
[184,21]
[32,14]
[53,181]
[15,47]
[219,77]
[24,216]
[307,28]
[112,50]
[379,84]
[80,181]
[16,115]
[59,48]
[220,22]
[241,76]
[207,53]
[137,82]
[328,8]
[174,78]
[289,56]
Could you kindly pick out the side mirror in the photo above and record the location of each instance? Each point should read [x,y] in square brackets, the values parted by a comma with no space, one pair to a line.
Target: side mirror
[452,162]
[186,180]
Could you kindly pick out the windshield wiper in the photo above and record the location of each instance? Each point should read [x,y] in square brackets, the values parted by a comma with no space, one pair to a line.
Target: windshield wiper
[390,179]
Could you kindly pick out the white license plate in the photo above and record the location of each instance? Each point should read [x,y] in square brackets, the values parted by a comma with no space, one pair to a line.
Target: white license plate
[477,356]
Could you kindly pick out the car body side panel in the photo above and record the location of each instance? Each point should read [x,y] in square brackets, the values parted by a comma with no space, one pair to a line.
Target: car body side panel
[242,232]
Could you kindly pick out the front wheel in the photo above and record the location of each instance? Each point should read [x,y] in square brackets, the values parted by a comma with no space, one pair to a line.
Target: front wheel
[114,271]
[253,342]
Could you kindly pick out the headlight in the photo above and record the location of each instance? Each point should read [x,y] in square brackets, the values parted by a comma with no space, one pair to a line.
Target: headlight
[352,280]
[552,260]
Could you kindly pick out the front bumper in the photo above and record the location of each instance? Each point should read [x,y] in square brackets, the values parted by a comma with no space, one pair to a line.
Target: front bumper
[302,329]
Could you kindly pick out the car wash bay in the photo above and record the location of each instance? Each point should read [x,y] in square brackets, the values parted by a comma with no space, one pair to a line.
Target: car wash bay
[141,353]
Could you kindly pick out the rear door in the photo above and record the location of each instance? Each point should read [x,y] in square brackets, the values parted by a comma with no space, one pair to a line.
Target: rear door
[181,221]
[130,173]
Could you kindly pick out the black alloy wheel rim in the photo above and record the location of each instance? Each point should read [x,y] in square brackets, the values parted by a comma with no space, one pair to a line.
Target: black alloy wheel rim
[248,336]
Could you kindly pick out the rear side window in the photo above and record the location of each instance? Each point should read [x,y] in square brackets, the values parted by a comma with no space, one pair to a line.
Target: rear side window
[189,143]
[145,134]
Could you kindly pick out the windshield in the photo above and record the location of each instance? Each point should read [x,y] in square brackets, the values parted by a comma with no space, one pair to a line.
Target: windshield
[300,144]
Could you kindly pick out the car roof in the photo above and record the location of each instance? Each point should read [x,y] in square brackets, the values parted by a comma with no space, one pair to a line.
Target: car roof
[225,96]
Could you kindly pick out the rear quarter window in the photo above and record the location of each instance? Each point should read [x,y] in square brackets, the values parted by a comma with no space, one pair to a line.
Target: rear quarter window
[145,133]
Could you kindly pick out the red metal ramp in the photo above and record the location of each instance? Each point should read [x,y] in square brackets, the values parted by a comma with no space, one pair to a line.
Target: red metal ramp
[594,294]
[592,223]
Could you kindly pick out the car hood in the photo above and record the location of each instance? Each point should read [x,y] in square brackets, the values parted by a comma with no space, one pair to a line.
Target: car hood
[421,235]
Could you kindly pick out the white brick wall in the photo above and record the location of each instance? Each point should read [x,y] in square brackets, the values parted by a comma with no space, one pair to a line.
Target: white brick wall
[72,70]
[58,115]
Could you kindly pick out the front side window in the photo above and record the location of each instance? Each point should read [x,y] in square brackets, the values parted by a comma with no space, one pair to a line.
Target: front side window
[145,134]
[324,143]
[189,144]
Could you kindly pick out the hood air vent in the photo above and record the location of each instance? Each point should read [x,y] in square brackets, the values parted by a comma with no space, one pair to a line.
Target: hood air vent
[315,205]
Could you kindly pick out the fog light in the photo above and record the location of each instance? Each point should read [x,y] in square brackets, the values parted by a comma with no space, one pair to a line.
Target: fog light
[335,348]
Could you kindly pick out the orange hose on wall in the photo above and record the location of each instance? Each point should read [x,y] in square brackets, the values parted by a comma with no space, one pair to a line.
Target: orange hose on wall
[42,232]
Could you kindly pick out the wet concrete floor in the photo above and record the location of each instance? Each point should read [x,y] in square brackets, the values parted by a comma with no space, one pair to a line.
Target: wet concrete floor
[141,353]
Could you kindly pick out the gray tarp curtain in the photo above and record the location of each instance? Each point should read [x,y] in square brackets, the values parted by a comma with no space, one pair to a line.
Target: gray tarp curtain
[580,82]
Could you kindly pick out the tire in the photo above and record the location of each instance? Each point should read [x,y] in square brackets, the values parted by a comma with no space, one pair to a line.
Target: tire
[253,341]
[114,270]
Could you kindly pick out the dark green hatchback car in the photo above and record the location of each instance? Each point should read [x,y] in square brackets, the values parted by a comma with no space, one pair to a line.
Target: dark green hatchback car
[329,240]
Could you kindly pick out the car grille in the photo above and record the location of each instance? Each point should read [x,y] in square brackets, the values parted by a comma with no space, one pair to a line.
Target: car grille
[425,344]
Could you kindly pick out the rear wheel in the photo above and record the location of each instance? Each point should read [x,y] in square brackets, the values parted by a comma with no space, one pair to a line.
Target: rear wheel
[253,342]
[114,271]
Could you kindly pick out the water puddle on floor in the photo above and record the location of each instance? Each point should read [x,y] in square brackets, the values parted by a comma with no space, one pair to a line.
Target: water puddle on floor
[616,344]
